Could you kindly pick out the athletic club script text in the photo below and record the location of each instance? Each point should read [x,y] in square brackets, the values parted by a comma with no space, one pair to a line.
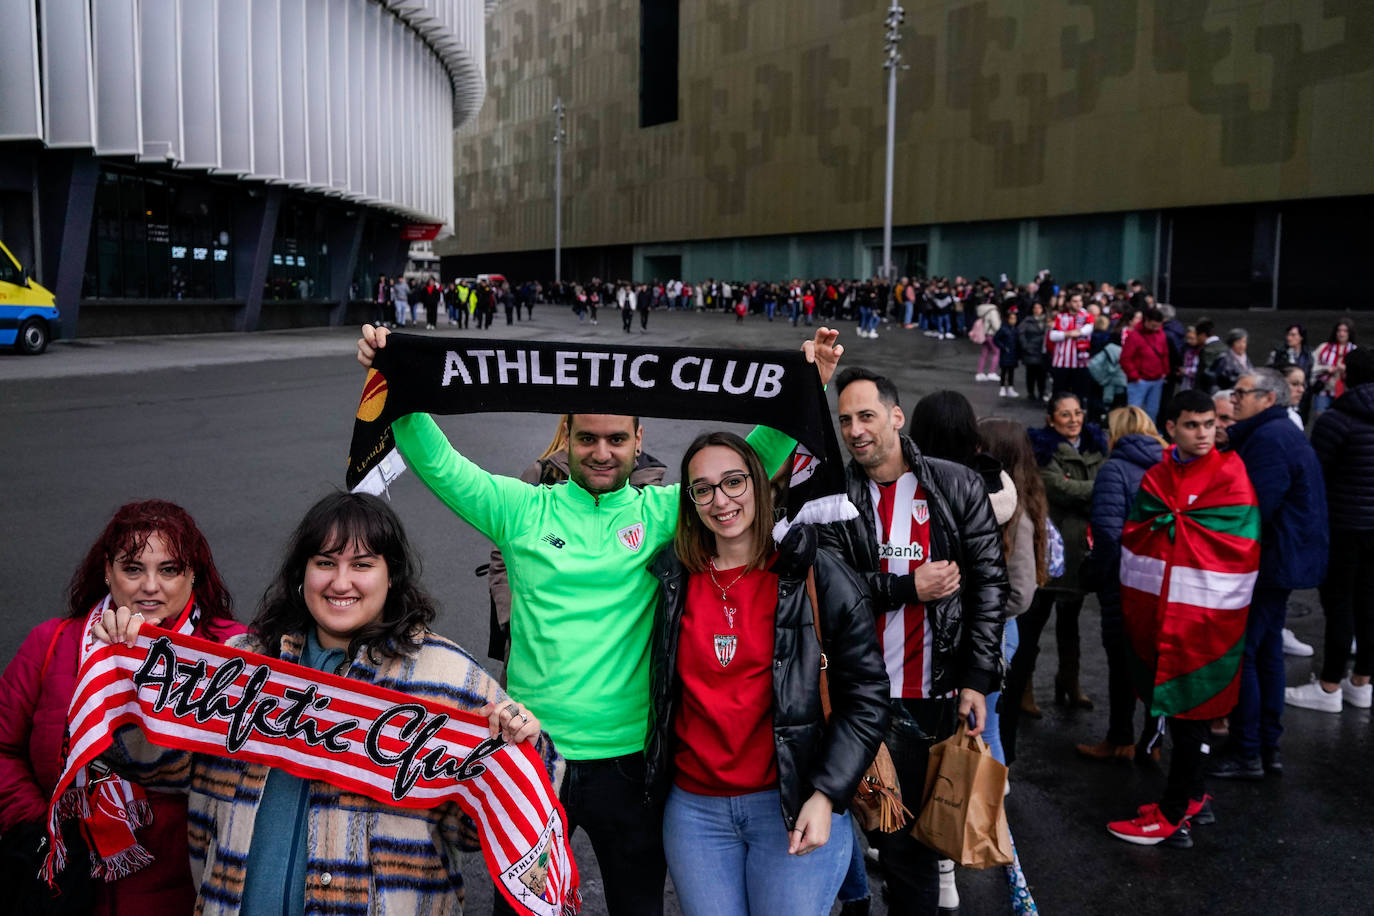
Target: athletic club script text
[187,689]
[612,370]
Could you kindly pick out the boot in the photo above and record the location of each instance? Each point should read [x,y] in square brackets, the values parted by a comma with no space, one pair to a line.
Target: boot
[1028,706]
[1105,750]
[1066,690]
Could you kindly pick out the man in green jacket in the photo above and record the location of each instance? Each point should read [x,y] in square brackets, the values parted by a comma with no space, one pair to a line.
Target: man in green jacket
[582,605]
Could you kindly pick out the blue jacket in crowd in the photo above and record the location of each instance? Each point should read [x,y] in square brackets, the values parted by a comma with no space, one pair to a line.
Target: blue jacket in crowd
[1283,468]
[1007,347]
[1343,438]
[1114,491]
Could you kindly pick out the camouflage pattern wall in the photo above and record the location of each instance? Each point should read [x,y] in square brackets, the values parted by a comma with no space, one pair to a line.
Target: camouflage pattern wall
[1010,109]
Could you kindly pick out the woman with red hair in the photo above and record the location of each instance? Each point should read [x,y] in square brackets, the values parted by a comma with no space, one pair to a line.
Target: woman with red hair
[151,557]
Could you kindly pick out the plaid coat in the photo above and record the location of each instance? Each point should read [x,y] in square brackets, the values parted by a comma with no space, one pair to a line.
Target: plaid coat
[365,858]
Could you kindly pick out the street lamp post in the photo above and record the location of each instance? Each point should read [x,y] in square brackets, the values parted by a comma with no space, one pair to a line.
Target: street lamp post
[892,63]
[560,137]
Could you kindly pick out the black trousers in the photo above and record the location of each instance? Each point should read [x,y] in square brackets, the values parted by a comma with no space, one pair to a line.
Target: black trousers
[912,869]
[1187,766]
[1036,377]
[606,799]
[627,318]
[1348,603]
[1121,698]
[1029,627]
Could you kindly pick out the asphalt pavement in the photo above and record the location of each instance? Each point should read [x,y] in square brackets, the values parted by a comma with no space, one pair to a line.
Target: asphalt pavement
[246,431]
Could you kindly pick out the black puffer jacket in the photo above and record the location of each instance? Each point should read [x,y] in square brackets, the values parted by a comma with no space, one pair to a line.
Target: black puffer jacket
[1344,441]
[967,624]
[811,754]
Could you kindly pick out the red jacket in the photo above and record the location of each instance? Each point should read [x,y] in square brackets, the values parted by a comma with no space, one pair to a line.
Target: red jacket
[33,720]
[1145,356]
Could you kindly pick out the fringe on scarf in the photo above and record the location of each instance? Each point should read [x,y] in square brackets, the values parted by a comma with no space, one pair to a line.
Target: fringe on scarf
[833,507]
[380,478]
[121,864]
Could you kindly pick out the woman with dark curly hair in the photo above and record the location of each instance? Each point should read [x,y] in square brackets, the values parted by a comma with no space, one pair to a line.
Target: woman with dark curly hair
[153,559]
[347,599]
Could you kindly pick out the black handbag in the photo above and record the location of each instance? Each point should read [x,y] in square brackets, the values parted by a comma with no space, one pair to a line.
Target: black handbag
[23,850]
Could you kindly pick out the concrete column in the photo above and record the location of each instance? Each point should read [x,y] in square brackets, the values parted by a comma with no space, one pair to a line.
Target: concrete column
[935,255]
[1028,250]
[1137,247]
[66,203]
[794,258]
[1264,258]
[345,238]
[255,226]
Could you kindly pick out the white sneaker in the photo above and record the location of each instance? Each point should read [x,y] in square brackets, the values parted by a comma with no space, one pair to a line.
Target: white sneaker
[872,335]
[949,892]
[1359,697]
[949,337]
[1011,392]
[935,334]
[1313,695]
[1294,646]
[1002,392]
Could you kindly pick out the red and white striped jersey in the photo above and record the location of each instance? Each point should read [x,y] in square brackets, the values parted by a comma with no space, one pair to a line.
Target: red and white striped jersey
[1069,352]
[902,525]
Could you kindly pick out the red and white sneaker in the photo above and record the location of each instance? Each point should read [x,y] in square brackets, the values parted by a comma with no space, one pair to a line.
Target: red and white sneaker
[1200,813]
[1150,828]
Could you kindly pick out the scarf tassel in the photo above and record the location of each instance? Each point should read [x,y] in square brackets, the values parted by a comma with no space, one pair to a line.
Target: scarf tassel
[833,507]
[74,803]
[121,864]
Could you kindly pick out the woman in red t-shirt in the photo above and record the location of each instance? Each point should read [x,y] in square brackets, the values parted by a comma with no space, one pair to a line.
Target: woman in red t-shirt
[738,736]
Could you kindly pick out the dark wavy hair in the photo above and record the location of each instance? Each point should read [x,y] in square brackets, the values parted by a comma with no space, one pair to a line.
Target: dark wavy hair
[331,525]
[695,543]
[943,425]
[127,534]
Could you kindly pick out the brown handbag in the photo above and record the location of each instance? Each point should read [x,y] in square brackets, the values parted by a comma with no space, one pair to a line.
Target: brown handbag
[877,802]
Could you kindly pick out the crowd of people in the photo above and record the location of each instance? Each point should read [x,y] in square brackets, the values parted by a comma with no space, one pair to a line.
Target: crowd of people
[663,653]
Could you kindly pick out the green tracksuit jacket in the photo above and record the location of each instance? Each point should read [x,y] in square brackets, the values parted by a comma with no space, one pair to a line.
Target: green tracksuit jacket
[582,597]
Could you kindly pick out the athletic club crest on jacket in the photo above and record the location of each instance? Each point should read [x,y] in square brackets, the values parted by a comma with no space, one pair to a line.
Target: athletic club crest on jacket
[633,536]
[920,511]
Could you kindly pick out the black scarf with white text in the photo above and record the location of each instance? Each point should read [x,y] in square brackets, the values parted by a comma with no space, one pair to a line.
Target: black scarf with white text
[776,388]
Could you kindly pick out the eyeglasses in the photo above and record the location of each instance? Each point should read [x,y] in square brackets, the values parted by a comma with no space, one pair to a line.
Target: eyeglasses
[1239,393]
[732,485]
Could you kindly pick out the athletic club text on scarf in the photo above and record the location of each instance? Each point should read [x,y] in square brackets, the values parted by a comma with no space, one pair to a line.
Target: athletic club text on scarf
[195,695]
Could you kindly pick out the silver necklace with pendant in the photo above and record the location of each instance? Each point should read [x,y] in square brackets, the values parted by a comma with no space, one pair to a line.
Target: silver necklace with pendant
[725,643]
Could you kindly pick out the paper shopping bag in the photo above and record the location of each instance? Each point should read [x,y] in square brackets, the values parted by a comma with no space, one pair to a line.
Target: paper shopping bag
[962,817]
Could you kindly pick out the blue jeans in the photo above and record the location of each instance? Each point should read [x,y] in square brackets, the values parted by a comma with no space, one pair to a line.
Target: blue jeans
[1145,395]
[1255,723]
[942,321]
[728,857]
[906,312]
[992,732]
[769,309]
[855,886]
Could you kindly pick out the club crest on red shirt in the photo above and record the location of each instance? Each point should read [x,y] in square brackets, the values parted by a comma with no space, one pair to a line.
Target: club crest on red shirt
[920,511]
[633,536]
[725,648]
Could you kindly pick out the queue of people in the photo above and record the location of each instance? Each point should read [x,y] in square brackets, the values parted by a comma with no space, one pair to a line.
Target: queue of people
[664,653]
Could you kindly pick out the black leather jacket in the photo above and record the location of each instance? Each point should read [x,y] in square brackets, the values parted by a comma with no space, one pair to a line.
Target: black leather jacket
[967,624]
[811,755]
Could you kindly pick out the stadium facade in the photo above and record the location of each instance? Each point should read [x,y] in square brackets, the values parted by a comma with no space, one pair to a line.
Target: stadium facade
[171,165]
[1221,152]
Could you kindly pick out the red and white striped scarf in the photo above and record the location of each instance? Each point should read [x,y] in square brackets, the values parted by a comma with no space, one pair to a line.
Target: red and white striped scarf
[110,808]
[192,694]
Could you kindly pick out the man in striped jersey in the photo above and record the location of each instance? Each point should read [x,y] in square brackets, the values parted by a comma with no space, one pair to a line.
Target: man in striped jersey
[1070,333]
[929,548]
